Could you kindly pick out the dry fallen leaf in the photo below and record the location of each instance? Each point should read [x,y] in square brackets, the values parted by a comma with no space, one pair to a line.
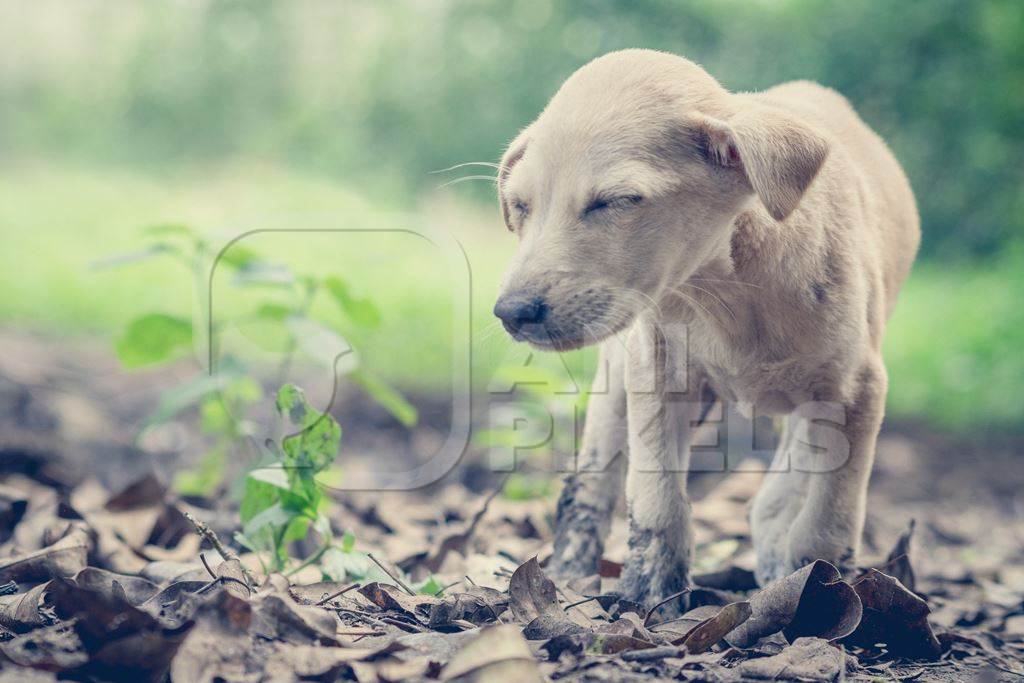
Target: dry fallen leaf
[895,616]
[496,655]
[533,598]
[807,659]
[64,558]
[897,563]
[478,605]
[812,601]
[714,629]
[389,597]
[23,612]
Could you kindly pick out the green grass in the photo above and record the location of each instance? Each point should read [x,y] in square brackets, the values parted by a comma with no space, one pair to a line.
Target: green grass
[953,346]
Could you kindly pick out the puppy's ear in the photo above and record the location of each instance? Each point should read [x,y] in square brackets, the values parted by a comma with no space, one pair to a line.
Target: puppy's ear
[511,157]
[778,155]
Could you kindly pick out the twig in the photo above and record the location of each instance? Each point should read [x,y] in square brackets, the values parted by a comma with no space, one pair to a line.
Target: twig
[1007,670]
[408,628]
[580,602]
[667,600]
[213,575]
[444,588]
[361,633]
[653,654]
[208,534]
[365,618]
[221,579]
[332,596]
[471,581]
[394,578]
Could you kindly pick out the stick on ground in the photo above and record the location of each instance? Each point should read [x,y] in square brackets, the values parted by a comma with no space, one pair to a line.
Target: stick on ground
[208,534]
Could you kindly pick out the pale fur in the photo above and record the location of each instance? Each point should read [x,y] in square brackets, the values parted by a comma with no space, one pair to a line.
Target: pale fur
[762,262]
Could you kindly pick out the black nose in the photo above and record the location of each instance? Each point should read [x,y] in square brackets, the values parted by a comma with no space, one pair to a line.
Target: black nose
[515,311]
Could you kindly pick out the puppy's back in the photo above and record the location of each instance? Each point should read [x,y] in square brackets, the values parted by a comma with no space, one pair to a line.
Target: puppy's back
[894,226]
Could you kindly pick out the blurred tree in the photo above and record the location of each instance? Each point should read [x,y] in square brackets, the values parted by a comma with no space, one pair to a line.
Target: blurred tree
[383,93]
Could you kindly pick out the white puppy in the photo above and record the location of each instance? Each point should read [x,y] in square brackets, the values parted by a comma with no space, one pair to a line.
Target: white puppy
[750,247]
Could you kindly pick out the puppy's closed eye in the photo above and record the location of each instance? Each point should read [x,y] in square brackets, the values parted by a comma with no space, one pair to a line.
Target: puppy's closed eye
[619,202]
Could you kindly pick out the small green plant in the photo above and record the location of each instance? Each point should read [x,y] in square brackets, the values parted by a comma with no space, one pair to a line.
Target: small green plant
[283,499]
[225,395]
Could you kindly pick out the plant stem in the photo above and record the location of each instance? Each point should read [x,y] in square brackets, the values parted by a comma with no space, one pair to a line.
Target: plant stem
[312,559]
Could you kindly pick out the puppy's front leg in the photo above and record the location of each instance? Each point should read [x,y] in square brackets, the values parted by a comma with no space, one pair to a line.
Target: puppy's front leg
[591,492]
[660,539]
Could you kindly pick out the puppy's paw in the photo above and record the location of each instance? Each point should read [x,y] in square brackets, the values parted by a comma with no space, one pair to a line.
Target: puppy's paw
[771,566]
[836,541]
[577,553]
[565,569]
[655,570]
[649,588]
[779,562]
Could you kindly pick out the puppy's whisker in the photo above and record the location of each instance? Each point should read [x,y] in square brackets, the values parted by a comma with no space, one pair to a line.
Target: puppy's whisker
[731,282]
[464,164]
[686,297]
[492,179]
[642,296]
[489,333]
[716,298]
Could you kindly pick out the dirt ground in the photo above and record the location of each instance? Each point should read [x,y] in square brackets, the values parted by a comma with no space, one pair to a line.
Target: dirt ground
[101,574]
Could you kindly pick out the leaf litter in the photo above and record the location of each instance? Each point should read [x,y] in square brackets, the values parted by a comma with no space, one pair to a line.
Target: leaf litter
[135,583]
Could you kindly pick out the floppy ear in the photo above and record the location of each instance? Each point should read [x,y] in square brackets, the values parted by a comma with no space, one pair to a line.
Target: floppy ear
[511,157]
[779,155]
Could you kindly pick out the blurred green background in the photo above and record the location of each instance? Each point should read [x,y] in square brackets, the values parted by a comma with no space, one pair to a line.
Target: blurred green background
[229,116]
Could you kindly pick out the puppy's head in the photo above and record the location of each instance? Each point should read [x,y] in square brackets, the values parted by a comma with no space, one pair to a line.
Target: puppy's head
[627,182]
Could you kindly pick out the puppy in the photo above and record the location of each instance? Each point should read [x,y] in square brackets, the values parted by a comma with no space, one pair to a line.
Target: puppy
[744,246]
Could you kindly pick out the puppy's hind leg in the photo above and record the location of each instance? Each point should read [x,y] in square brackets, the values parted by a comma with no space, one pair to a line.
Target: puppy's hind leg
[591,492]
[775,506]
[824,495]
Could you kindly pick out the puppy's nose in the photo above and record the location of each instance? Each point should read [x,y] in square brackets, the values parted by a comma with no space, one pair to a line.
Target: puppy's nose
[515,311]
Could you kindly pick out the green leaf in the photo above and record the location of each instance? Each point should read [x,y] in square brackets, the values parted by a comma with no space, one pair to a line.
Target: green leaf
[275,476]
[184,396]
[238,256]
[153,250]
[154,338]
[296,529]
[169,230]
[519,486]
[258,496]
[387,397]
[360,311]
[291,403]
[204,479]
[262,273]
[314,447]
[348,542]
[274,517]
[339,565]
[274,311]
[430,586]
[214,417]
